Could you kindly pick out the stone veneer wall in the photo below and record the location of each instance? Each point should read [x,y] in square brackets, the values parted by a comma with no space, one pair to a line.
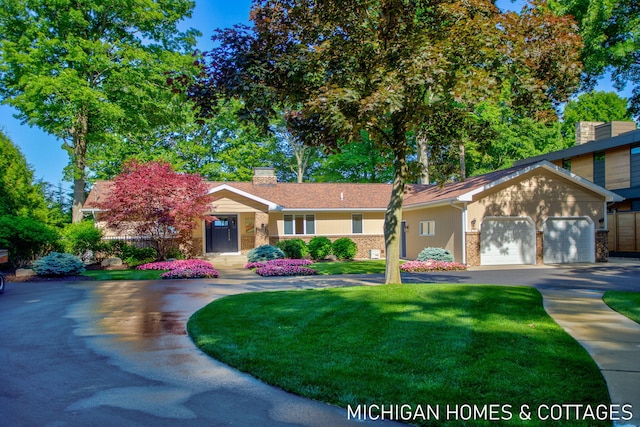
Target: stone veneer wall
[364,243]
[473,248]
[602,245]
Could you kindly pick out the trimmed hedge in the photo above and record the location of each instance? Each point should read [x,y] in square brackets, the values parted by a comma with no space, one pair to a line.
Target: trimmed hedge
[320,247]
[344,248]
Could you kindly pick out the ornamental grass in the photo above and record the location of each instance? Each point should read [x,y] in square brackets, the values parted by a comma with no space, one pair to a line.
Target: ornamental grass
[431,265]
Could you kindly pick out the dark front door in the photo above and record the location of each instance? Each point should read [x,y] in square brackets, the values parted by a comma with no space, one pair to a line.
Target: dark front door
[403,240]
[222,234]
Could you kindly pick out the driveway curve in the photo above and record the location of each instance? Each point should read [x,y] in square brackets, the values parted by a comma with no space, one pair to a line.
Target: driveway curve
[116,353]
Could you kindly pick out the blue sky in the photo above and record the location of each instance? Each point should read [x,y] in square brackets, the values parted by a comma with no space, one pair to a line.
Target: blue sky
[44,153]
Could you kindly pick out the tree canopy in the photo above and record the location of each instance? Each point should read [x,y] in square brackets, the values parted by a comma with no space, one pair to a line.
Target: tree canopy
[88,70]
[151,199]
[340,68]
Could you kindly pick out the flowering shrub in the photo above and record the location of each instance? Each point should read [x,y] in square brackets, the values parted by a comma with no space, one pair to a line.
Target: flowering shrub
[182,269]
[172,265]
[279,263]
[431,265]
[287,270]
[190,273]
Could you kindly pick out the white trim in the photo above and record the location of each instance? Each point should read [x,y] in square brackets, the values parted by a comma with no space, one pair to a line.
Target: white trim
[608,195]
[427,222]
[272,205]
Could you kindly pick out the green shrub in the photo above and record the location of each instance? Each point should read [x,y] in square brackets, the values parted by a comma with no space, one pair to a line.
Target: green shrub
[175,253]
[82,238]
[436,254]
[264,253]
[344,248]
[58,264]
[26,239]
[130,254]
[319,247]
[294,248]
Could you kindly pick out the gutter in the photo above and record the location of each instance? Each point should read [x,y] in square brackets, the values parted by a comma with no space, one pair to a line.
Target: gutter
[463,208]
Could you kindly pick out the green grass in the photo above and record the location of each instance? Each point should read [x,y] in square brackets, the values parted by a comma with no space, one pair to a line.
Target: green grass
[625,303]
[404,344]
[350,267]
[123,274]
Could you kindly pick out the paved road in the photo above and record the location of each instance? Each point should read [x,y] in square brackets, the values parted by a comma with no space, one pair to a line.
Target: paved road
[116,353]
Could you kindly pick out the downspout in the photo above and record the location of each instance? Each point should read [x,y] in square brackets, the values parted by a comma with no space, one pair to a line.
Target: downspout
[464,229]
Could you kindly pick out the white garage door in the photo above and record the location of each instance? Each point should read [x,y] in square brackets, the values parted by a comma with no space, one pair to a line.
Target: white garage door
[568,240]
[507,240]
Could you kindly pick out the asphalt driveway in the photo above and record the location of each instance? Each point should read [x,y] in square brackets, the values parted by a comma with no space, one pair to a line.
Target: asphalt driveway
[116,353]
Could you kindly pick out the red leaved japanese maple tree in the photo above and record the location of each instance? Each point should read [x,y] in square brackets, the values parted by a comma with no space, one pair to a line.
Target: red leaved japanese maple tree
[151,199]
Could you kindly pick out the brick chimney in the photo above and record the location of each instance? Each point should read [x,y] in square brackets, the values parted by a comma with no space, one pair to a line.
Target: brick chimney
[264,176]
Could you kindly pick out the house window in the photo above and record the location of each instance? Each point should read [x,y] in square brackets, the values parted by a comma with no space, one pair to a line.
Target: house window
[566,164]
[356,223]
[598,168]
[428,228]
[635,165]
[299,224]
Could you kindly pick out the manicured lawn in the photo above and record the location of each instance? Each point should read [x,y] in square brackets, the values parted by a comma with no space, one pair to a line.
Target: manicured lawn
[626,303]
[350,267]
[124,274]
[432,345]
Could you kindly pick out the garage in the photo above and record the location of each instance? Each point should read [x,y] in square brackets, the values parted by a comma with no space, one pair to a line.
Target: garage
[568,240]
[507,240]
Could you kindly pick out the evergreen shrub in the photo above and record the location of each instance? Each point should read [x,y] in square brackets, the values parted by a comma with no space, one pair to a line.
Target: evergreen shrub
[436,254]
[264,253]
[319,247]
[344,248]
[294,248]
[58,264]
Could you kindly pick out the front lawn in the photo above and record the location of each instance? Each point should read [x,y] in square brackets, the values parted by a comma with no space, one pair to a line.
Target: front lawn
[123,274]
[625,303]
[431,345]
[350,267]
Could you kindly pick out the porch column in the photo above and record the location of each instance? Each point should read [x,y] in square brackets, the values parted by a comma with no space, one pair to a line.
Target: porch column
[261,224]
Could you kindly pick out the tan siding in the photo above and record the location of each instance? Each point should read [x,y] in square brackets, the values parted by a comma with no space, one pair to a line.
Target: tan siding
[332,223]
[448,230]
[539,195]
[583,166]
[617,168]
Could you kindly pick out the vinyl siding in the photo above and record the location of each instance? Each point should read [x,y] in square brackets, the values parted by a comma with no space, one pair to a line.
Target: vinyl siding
[448,230]
[332,223]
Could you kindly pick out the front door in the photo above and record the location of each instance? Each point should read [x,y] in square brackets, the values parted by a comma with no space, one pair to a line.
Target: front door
[222,234]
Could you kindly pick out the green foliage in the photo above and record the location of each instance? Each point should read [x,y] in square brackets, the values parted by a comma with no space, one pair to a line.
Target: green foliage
[319,247]
[264,253]
[94,72]
[344,248]
[592,107]
[18,193]
[82,237]
[294,248]
[130,254]
[436,254]
[58,264]
[26,239]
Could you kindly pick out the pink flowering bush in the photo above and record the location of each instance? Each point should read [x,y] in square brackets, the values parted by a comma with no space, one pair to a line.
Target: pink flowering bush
[182,269]
[287,270]
[431,265]
[279,263]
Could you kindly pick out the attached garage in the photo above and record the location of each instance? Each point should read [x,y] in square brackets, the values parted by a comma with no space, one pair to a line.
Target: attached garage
[568,240]
[507,240]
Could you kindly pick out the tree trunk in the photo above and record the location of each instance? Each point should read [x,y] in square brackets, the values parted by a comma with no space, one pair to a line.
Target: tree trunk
[393,218]
[423,147]
[79,134]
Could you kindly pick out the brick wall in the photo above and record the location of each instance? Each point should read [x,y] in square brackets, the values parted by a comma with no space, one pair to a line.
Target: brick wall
[473,248]
[364,243]
[602,245]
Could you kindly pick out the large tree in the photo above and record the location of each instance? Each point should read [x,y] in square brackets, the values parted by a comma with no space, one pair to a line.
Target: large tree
[83,70]
[151,199]
[592,107]
[611,33]
[384,67]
